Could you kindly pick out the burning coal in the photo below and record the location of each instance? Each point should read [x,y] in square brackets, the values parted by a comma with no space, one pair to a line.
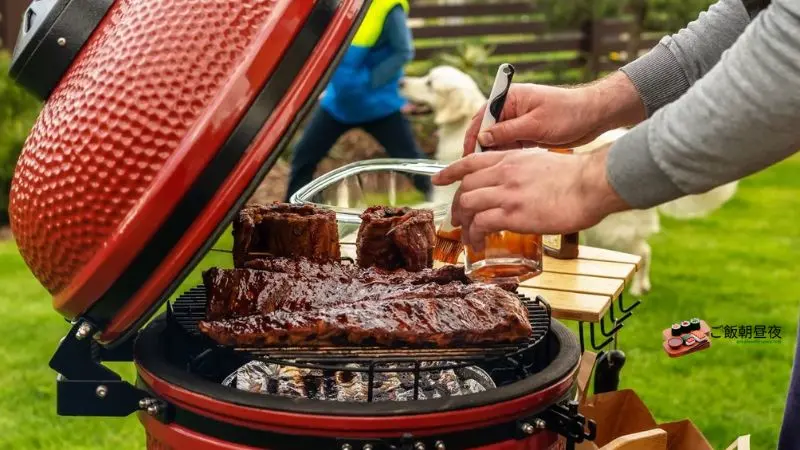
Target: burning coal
[350,386]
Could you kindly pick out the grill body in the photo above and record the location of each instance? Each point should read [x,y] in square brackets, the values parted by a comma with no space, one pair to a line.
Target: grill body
[206,414]
[162,116]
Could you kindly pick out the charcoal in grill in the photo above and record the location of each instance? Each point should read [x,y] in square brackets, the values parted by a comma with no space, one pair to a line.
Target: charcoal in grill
[436,380]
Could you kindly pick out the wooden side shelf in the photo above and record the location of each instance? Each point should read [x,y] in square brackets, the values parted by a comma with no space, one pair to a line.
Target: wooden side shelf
[582,289]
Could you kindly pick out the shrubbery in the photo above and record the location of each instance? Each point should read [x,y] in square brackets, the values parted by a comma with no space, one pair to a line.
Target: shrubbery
[18,111]
[671,15]
[660,15]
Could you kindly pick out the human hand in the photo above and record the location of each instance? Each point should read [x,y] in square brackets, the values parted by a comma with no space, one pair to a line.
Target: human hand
[546,116]
[529,192]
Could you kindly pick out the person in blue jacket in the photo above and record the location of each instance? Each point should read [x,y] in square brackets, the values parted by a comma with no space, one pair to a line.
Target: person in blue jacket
[364,92]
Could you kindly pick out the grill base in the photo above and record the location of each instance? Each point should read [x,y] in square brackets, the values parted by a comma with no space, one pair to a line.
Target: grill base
[162,436]
[202,413]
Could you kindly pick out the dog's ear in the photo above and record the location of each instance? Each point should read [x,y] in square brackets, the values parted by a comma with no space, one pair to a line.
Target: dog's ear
[457,104]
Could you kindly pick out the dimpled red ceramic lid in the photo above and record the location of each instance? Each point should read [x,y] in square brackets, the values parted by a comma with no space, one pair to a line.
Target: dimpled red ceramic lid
[161,116]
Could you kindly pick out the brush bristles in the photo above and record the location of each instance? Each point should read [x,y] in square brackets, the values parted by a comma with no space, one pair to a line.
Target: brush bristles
[447,250]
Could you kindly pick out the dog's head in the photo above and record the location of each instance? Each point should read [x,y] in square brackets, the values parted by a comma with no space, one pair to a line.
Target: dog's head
[452,94]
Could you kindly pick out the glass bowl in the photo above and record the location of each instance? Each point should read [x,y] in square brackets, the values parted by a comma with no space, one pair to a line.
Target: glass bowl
[350,189]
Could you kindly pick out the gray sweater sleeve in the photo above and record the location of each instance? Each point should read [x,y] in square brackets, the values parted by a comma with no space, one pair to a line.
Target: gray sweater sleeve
[679,60]
[740,118]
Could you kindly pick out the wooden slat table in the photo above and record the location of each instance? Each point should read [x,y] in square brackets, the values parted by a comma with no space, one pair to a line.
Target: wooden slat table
[583,289]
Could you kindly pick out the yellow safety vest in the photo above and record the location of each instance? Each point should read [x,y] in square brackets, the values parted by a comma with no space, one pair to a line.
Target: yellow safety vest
[372,25]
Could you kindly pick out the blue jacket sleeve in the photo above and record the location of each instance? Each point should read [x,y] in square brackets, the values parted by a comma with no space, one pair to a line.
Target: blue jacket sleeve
[398,35]
[352,75]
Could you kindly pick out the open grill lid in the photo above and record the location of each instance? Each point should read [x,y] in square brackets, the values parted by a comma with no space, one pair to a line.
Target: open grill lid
[161,118]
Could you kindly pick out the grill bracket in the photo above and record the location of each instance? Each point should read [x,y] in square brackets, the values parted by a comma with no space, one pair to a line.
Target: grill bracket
[565,420]
[85,387]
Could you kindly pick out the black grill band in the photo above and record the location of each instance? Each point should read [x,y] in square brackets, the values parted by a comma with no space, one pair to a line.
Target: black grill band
[163,346]
[51,36]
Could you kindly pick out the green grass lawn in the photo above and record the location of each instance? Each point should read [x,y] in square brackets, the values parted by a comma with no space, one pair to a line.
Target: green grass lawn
[736,268]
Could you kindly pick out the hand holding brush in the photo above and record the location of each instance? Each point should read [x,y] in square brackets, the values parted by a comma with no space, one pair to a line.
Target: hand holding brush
[448,237]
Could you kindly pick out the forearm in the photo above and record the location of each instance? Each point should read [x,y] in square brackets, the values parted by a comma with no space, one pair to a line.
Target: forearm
[740,118]
[678,61]
[596,190]
[615,101]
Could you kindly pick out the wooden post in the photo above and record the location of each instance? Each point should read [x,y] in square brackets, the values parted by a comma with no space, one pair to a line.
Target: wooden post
[10,19]
[639,8]
[3,31]
[591,48]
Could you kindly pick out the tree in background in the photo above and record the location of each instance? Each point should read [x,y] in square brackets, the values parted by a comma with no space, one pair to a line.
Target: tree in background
[659,15]
[672,15]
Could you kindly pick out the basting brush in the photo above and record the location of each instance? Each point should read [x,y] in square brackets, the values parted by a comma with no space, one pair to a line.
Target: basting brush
[448,242]
[448,238]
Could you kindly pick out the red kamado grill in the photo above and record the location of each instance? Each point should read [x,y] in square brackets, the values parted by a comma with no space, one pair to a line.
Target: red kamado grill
[161,118]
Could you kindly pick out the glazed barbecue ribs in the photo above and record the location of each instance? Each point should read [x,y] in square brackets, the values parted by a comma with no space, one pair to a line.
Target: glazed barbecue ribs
[396,238]
[285,230]
[256,288]
[301,303]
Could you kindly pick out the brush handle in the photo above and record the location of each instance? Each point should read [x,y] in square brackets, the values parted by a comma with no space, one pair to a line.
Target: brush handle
[497,99]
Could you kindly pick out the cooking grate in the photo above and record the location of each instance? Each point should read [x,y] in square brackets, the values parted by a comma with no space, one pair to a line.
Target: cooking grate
[190,308]
[502,361]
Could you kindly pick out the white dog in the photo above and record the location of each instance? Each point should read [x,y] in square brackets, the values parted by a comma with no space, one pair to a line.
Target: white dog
[454,98]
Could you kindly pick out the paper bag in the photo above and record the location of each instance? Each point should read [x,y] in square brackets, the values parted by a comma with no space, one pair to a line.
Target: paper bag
[655,439]
[625,423]
[683,434]
[743,443]
[617,414]
[584,375]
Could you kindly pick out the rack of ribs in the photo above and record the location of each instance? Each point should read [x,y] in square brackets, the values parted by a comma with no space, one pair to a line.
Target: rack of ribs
[396,238]
[285,230]
[337,304]
[253,289]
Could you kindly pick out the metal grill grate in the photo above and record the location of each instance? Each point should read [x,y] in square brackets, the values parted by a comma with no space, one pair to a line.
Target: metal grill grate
[503,362]
[190,308]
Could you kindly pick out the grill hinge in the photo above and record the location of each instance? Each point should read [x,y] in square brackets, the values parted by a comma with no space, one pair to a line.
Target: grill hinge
[85,387]
[564,419]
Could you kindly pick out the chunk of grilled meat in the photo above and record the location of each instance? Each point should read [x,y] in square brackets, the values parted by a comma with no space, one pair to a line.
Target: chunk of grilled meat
[444,315]
[285,230]
[263,283]
[396,238]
